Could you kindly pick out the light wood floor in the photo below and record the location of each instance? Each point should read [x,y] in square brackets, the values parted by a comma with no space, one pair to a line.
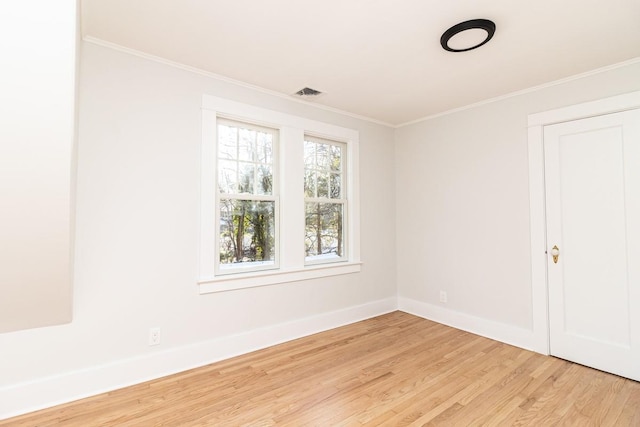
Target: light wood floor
[393,370]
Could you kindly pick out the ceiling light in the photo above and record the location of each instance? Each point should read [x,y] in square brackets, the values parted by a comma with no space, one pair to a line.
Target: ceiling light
[467,35]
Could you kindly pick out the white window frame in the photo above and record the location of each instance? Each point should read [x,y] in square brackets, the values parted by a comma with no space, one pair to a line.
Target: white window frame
[343,200]
[292,130]
[274,197]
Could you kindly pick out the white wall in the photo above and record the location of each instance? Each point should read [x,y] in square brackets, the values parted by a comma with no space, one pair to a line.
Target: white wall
[37,108]
[463,208]
[137,237]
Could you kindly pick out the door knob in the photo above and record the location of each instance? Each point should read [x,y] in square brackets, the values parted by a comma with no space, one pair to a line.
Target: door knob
[555,253]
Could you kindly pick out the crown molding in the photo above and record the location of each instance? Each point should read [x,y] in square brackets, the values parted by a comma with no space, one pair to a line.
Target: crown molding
[195,70]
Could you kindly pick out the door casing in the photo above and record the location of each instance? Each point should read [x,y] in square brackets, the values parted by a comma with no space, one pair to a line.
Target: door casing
[536,123]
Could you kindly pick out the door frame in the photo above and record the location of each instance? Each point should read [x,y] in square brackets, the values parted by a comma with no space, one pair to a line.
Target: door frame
[537,225]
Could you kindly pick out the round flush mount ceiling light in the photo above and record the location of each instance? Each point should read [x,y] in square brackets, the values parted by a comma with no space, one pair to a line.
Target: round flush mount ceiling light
[467,35]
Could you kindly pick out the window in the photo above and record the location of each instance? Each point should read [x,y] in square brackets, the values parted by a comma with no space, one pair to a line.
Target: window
[325,201]
[247,197]
[279,198]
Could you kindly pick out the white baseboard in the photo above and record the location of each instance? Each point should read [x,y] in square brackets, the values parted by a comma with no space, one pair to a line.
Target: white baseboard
[519,337]
[46,392]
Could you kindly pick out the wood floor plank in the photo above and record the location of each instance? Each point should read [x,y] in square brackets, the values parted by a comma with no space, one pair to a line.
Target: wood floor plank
[630,414]
[534,397]
[392,370]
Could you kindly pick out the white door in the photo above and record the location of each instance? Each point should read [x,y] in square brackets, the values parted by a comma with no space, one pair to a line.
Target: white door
[592,181]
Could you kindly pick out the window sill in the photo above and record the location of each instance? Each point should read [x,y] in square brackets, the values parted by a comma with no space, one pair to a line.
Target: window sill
[266,278]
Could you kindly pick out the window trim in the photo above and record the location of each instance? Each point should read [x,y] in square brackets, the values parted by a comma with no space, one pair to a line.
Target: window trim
[292,130]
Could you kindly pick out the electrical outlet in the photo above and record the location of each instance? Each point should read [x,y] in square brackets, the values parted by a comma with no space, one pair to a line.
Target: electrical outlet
[154,336]
[443,296]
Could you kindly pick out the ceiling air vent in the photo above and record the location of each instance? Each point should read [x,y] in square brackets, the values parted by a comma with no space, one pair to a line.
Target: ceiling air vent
[307,92]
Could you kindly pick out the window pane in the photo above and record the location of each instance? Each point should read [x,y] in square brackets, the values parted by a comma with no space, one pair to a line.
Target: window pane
[265,180]
[309,183]
[323,170]
[336,186]
[227,177]
[247,233]
[336,158]
[245,160]
[309,154]
[323,156]
[264,148]
[246,144]
[227,142]
[246,177]
[323,184]
[323,231]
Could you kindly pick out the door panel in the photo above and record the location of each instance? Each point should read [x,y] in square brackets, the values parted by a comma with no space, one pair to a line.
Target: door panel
[592,175]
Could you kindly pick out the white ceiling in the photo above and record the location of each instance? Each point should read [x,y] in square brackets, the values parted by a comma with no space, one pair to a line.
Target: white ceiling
[380,59]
